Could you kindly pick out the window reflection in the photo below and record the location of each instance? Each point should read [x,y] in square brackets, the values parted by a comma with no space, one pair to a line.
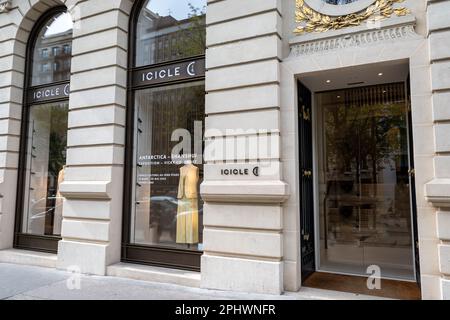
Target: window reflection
[168,210]
[170,30]
[46,160]
[53,51]
[365,204]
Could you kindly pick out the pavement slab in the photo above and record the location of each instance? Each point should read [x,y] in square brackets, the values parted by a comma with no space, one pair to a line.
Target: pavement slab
[18,282]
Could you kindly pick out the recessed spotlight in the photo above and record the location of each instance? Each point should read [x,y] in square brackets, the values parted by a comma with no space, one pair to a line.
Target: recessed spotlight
[338,97]
[380,74]
[328,81]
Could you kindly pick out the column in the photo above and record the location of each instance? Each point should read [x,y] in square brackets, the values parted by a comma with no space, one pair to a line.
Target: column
[12,65]
[243,188]
[93,185]
[438,190]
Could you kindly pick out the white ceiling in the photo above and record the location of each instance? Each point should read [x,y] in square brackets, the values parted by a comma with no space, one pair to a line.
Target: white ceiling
[357,76]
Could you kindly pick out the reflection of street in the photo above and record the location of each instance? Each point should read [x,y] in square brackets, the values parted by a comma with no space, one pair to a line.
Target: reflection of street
[40,212]
[163,218]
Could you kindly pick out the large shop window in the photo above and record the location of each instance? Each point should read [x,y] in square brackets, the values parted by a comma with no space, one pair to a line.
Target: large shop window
[44,133]
[163,219]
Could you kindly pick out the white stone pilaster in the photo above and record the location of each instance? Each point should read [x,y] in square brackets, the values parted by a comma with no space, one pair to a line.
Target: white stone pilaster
[243,239]
[93,185]
[438,190]
[11,74]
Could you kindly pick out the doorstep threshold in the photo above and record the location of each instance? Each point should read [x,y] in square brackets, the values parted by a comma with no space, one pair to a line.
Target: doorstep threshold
[308,293]
[155,274]
[30,258]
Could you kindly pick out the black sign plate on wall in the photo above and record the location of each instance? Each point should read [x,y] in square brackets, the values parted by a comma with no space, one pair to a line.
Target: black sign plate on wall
[49,93]
[168,73]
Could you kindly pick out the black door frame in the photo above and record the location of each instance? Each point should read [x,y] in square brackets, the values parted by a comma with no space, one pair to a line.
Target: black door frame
[306,188]
[412,175]
[306,272]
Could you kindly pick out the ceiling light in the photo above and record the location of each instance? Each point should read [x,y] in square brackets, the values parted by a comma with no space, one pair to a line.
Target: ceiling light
[380,74]
[328,81]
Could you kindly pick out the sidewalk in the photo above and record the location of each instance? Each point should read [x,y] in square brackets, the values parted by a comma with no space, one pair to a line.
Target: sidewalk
[19,282]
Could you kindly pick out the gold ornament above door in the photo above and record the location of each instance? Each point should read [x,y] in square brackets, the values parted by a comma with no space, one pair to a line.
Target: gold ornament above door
[326,15]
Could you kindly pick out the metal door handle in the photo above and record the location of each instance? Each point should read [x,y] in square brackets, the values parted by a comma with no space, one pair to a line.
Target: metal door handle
[307,173]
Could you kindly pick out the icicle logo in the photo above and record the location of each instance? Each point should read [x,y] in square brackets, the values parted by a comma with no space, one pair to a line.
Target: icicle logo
[374,280]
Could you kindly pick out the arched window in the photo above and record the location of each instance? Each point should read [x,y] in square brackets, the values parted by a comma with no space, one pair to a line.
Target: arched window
[163,214]
[44,132]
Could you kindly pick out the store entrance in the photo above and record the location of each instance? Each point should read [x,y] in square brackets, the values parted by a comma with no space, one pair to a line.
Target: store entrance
[360,219]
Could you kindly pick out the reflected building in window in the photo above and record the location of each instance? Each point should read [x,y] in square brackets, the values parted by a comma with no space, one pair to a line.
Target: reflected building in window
[53,53]
[162,38]
[46,140]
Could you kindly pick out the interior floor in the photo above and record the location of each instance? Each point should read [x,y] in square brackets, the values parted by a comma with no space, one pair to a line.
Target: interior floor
[392,289]
[395,263]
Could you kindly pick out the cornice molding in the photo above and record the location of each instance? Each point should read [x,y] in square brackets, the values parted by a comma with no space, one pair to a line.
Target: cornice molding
[396,29]
[245,191]
[100,190]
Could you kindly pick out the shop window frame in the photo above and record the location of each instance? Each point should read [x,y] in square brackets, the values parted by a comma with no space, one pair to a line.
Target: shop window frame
[39,243]
[149,254]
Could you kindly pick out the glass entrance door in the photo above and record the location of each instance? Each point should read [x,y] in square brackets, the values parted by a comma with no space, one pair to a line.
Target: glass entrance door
[364,181]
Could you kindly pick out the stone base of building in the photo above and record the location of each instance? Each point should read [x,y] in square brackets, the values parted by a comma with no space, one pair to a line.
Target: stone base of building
[245,275]
[31,258]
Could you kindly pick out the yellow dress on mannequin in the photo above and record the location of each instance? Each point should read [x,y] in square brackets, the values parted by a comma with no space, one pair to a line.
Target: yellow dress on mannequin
[187,217]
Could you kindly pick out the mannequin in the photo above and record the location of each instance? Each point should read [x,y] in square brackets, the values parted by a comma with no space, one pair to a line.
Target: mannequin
[57,221]
[187,216]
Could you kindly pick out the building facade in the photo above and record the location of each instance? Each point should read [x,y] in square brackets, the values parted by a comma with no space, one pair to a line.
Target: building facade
[228,144]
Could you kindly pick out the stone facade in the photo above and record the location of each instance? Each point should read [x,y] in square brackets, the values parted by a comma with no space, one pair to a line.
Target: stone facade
[243,85]
[252,227]
[437,190]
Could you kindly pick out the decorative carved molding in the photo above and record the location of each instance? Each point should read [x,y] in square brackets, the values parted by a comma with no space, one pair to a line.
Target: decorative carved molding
[313,21]
[5,6]
[357,39]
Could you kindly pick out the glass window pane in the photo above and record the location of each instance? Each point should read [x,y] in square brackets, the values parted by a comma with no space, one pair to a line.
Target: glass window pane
[168,210]
[45,164]
[52,49]
[365,205]
[170,30]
